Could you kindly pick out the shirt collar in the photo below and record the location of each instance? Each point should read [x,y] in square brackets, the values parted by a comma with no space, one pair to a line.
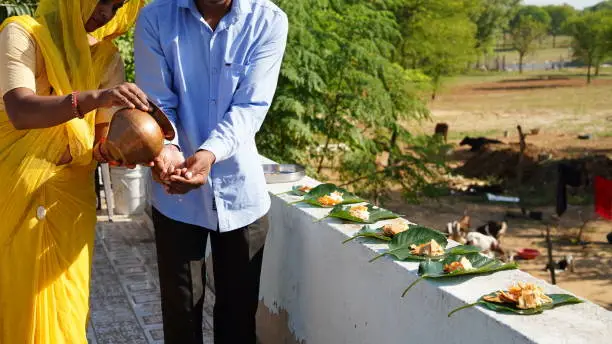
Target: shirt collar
[238,6]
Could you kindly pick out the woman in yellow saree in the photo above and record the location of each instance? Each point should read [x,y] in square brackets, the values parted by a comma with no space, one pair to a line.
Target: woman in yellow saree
[58,76]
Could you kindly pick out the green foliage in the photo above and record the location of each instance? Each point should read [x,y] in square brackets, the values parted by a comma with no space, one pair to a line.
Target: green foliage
[446,47]
[9,8]
[530,24]
[559,17]
[439,36]
[125,43]
[492,20]
[535,13]
[592,38]
[602,6]
[340,84]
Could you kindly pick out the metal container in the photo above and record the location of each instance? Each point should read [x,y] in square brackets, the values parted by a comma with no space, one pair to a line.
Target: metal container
[283,173]
[136,137]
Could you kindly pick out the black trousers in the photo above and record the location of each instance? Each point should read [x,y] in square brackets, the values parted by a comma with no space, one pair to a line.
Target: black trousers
[237,258]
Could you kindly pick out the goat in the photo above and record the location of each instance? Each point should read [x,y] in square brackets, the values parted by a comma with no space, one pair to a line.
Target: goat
[477,143]
[488,244]
[493,228]
[442,130]
[562,265]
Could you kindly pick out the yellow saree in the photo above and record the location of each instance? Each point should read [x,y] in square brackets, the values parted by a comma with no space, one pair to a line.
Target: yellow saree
[47,212]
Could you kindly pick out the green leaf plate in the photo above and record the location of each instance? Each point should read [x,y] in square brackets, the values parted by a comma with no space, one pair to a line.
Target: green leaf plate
[312,197]
[368,231]
[376,214]
[558,300]
[399,246]
[480,263]
[295,190]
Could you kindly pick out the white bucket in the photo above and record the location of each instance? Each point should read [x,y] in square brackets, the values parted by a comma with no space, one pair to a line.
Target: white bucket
[129,190]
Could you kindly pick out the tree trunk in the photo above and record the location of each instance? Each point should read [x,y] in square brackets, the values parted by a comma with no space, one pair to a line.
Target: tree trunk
[320,167]
[521,57]
[589,73]
[584,224]
[554,41]
[392,144]
[436,85]
[597,69]
[521,158]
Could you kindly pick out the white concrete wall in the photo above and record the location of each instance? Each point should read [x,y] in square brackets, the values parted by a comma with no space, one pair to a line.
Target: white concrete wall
[316,290]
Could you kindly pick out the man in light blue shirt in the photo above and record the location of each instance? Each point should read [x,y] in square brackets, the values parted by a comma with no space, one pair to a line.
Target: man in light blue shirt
[212,66]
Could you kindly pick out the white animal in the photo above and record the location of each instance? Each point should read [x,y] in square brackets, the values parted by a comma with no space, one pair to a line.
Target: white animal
[488,244]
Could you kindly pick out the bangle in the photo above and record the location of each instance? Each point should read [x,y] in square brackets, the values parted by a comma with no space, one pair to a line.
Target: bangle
[74,100]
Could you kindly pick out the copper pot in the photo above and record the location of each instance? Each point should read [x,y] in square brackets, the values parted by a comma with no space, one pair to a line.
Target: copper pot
[137,137]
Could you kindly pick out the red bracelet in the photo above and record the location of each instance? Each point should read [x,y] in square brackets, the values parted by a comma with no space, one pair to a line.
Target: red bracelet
[74,100]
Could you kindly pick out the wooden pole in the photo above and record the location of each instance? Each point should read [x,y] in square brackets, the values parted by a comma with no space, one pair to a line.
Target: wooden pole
[519,167]
[523,146]
[584,224]
[551,263]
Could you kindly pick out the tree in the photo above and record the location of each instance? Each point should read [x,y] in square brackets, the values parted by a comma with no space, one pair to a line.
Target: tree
[438,36]
[125,44]
[340,86]
[559,16]
[529,25]
[9,8]
[492,19]
[592,36]
[602,6]
[447,46]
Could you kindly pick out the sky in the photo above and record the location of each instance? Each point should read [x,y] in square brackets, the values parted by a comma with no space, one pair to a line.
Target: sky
[580,4]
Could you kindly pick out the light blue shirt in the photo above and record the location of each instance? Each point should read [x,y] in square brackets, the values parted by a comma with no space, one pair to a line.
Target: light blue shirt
[216,87]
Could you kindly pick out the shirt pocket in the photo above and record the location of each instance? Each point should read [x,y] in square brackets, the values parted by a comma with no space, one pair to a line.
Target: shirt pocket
[231,76]
[237,193]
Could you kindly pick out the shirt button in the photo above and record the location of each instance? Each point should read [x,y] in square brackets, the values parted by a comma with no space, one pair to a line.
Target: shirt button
[41,212]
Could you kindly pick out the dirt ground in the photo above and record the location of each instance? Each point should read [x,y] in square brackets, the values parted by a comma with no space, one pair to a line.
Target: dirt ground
[560,109]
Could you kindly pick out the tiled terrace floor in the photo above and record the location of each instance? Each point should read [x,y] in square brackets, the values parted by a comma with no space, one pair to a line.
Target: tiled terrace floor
[125,301]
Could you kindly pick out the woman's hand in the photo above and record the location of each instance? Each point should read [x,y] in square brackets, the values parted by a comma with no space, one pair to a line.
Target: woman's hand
[125,95]
[100,154]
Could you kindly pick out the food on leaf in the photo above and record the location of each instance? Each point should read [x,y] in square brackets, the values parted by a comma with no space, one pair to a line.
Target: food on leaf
[332,199]
[394,228]
[522,295]
[305,188]
[360,212]
[431,249]
[462,265]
